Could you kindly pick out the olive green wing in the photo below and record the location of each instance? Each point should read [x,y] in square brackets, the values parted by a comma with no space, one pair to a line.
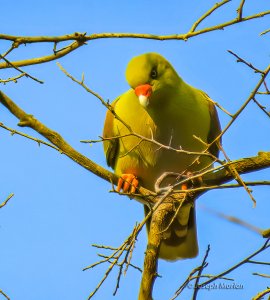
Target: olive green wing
[111,146]
[215,128]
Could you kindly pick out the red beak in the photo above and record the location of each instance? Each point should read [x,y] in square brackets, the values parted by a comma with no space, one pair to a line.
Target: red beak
[145,90]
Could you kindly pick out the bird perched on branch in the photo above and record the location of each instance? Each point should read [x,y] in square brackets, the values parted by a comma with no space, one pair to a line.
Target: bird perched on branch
[161,107]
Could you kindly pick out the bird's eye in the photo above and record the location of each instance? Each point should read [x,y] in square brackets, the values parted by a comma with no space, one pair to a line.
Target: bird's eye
[154,73]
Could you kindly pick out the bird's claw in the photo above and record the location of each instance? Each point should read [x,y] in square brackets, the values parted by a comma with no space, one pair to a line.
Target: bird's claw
[128,183]
[192,182]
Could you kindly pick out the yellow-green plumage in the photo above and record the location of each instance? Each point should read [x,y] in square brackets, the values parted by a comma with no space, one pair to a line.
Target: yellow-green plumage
[176,112]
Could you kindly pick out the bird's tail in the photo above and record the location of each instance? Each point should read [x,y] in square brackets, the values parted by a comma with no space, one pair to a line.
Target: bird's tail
[180,238]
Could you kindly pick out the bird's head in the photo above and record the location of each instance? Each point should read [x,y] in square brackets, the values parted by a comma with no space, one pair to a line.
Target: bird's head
[153,78]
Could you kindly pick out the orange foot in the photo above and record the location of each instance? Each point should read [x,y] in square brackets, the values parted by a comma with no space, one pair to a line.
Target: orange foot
[195,182]
[187,185]
[128,183]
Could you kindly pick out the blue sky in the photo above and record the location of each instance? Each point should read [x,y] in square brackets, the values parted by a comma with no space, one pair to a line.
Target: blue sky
[59,209]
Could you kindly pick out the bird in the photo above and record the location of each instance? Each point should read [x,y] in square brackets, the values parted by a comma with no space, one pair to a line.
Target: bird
[161,107]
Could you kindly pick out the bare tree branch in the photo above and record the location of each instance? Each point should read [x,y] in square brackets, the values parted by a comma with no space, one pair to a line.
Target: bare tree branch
[80,38]
[251,97]
[161,210]
[162,205]
[43,59]
[222,175]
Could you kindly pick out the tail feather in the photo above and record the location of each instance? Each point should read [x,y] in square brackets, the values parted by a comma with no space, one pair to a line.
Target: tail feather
[180,239]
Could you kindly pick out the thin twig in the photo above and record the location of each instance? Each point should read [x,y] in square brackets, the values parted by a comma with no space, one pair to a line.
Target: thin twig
[126,260]
[6,201]
[103,102]
[131,132]
[207,14]
[118,264]
[239,111]
[266,87]
[205,176]
[263,93]
[240,10]
[4,294]
[150,140]
[262,275]
[14,79]
[265,31]
[41,60]
[185,283]
[238,177]
[115,257]
[12,65]
[8,51]
[82,37]
[27,120]
[203,266]
[259,262]
[220,107]
[265,246]
[223,186]
[13,132]
[235,116]
[261,107]
[235,220]
[199,275]
[239,59]
[104,247]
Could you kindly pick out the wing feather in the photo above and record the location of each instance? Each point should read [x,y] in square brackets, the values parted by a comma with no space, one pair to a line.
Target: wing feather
[215,128]
[111,147]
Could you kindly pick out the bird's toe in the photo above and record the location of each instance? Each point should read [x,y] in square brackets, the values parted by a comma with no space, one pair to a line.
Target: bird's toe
[128,183]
